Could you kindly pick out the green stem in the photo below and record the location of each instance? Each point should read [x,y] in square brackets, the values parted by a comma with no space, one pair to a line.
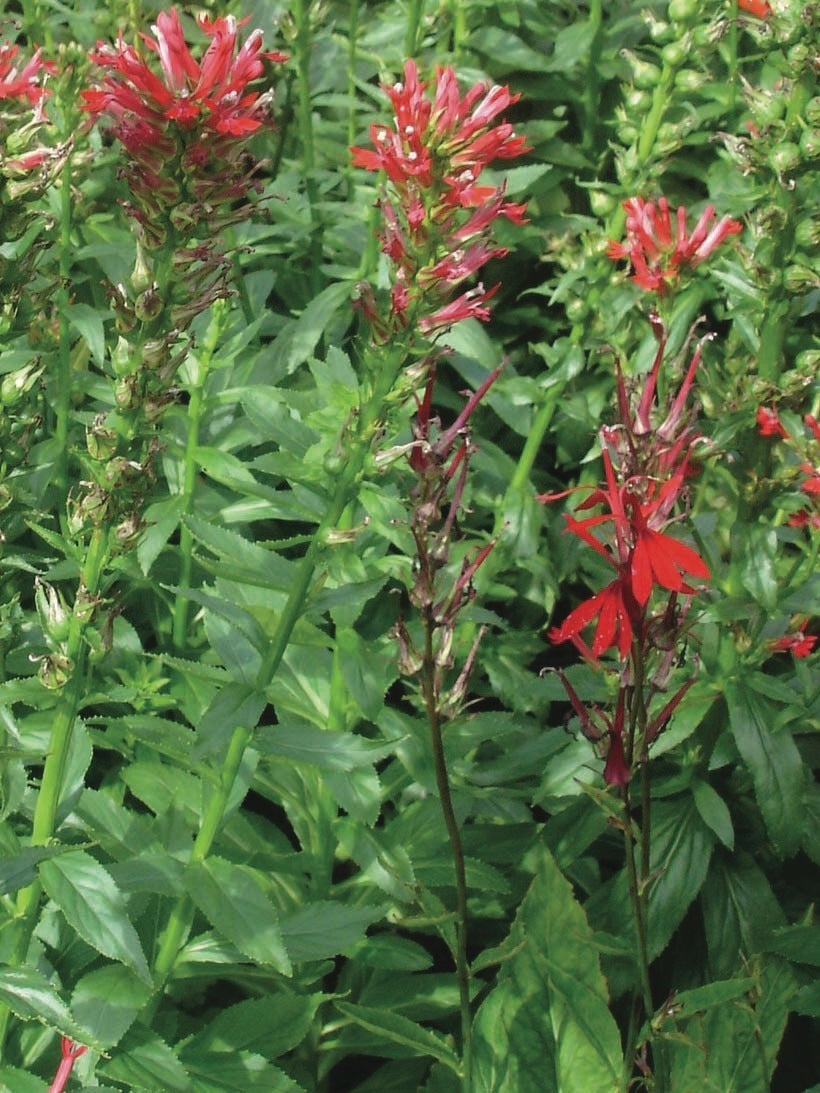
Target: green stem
[431,705]
[181,917]
[414,16]
[352,36]
[301,18]
[592,105]
[652,121]
[63,407]
[368,424]
[193,419]
[62,729]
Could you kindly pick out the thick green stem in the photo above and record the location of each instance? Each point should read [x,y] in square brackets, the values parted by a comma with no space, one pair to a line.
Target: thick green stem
[179,921]
[415,13]
[193,421]
[62,729]
[431,705]
[301,18]
[63,407]
[592,105]
[368,423]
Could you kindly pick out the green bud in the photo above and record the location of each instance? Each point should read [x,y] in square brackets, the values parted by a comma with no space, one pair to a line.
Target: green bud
[684,10]
[784,157]
[688,80]
[16,384]
[675,53]
[142,276]
[55,617]
[800,279]
[810,144]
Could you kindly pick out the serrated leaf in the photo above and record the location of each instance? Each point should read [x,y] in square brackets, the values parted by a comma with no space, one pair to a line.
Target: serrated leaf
[400,1030]
[247,561]
[773,762]
[108,1000]
[93,906]
[21,870]
[270,1026]
[30,996]
[144,1063]
[342,751]
[233,902]
[546,1025]
[237,1073]
[326,928]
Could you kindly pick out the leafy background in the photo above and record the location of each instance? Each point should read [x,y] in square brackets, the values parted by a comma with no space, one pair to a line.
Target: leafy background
[321,922]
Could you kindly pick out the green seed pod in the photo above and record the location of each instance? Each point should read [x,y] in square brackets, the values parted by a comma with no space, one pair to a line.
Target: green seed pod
[688,80]
[675,53]
[684,10]
[55,671]
[784,157]
[810,144]
[16,384]
[148,305]
[602,203]
[799,279]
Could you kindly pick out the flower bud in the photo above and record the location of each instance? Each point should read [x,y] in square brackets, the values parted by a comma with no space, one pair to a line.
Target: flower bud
[16,384]
[55,617]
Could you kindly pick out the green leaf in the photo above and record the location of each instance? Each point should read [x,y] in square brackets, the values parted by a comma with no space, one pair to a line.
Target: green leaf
[270,1026]
[400,1030]
[30,996]
[732,1047]
[801,944]
[244,561]
[326,928]
[88,322]
[739,912]
[146,1064]
[232,901]
[21,870]
[547,1024]
[773,762]
[108,1000]
[342,751]
[93,905]
[237,1073]
[714,812]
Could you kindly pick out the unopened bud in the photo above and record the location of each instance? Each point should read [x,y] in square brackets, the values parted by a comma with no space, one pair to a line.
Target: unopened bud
[55,617]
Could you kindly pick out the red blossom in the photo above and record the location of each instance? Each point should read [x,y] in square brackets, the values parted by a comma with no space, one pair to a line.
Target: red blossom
[759,8]
[21,82]
[657,251]
[798,643]
[768,422]
[813,425]
[70,1053]
[438,218]
[210,96]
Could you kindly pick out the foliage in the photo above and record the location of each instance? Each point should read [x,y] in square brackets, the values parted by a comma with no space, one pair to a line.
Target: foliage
[309,779]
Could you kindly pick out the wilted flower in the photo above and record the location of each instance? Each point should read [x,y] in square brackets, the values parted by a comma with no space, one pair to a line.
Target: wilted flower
[657,251]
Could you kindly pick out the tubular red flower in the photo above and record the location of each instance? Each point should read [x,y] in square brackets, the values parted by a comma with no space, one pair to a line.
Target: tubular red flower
[210,97]
[22,83]
[768,422]
[658,253]
[759,8]
[798,643]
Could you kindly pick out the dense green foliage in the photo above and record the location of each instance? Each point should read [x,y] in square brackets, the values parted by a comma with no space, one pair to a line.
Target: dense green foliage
[238,874]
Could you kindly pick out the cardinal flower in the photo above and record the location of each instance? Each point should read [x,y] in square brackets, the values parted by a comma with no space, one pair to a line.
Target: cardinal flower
[658,250]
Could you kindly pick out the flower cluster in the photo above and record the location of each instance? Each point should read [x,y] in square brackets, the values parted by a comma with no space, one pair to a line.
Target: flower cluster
[438,217]
[659,251]
[804,465]
[186,127]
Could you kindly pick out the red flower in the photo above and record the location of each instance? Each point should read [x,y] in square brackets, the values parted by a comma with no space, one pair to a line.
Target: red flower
[812,423]
[209,97]
[70,1053]
[768,422]
[614,623]
[798,643]
[656,252]
[21,83]
[759,8]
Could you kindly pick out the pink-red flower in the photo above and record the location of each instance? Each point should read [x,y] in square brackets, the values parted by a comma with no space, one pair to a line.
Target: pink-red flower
[24,82]
[769,423]
[761,9]
[797,643]
[207,97]
[438,214]
[659,250]
[70,1053]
